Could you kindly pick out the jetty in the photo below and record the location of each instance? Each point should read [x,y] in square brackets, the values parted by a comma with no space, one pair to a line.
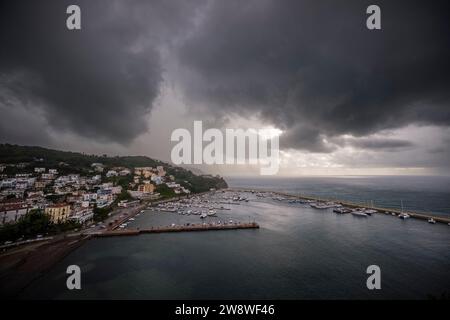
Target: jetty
[178,228]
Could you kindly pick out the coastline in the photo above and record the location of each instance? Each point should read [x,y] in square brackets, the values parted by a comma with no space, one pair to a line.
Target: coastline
[22,265]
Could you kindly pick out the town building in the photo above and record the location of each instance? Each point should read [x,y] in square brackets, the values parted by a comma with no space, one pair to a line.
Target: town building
[82,216]
[111,173]
[58,212]
[146,188]
[11,212]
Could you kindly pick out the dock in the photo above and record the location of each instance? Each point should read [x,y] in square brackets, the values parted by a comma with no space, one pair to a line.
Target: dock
[178,228]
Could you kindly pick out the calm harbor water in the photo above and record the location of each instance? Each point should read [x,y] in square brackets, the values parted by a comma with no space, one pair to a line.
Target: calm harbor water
[298,253]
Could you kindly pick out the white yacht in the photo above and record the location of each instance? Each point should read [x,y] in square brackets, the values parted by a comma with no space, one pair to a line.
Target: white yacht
[359,213]
[323,205]
[370,211]
[431,220]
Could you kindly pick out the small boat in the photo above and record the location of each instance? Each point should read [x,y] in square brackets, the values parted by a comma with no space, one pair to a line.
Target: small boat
[370,211]
[431,220]
[341,210]
[359,213]
[404,216]
[324,205]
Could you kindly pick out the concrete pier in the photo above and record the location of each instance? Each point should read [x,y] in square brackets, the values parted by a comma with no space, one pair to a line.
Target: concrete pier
[182,228]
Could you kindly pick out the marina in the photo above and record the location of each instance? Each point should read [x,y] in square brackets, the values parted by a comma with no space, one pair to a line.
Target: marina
[211,205]
[341,207]
[314,252]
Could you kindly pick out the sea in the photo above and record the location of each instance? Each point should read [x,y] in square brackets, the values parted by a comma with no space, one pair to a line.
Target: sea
[297,253]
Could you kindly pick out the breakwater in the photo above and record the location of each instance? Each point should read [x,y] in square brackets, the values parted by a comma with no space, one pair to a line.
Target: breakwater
[179,228]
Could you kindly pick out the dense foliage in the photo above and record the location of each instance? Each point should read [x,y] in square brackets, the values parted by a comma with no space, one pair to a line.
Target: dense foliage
[101,214]
[32,224]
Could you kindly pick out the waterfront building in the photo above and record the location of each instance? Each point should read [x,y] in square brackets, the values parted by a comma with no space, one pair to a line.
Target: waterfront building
[11,212]
[82,216]
[127,204]
[58,212]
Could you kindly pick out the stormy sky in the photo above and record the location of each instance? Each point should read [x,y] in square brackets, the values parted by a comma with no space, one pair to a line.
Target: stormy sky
[347,100]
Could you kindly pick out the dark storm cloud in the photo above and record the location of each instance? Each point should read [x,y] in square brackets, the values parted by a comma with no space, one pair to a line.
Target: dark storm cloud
[375,144]
[313,69]
[99,81]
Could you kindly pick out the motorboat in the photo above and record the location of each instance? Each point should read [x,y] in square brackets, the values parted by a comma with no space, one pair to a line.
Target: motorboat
[431,220]
[359,213]
[323,205]
[370,211]
[341,210]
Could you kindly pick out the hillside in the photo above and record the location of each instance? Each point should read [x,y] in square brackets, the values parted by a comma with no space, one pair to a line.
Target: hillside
[81,163]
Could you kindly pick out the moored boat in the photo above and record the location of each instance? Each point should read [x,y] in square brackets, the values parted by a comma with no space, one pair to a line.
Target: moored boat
[359,213]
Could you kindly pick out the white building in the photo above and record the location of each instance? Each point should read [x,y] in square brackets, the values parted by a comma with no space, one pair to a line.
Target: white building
[12,212]
[156,179]
[127,204]
[82,216]
[111,173]
[124,172]
[8,183]
[47,176]
[89,196]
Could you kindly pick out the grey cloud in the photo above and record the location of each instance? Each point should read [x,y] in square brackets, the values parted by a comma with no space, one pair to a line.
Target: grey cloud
[99,81]
[375,144]
[305,138]
[312,66]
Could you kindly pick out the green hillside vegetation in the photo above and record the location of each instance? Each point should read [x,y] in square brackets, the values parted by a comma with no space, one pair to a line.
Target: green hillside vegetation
[75,162]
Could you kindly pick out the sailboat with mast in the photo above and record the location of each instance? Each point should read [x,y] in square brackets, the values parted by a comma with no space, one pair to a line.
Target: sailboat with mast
[403,215]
